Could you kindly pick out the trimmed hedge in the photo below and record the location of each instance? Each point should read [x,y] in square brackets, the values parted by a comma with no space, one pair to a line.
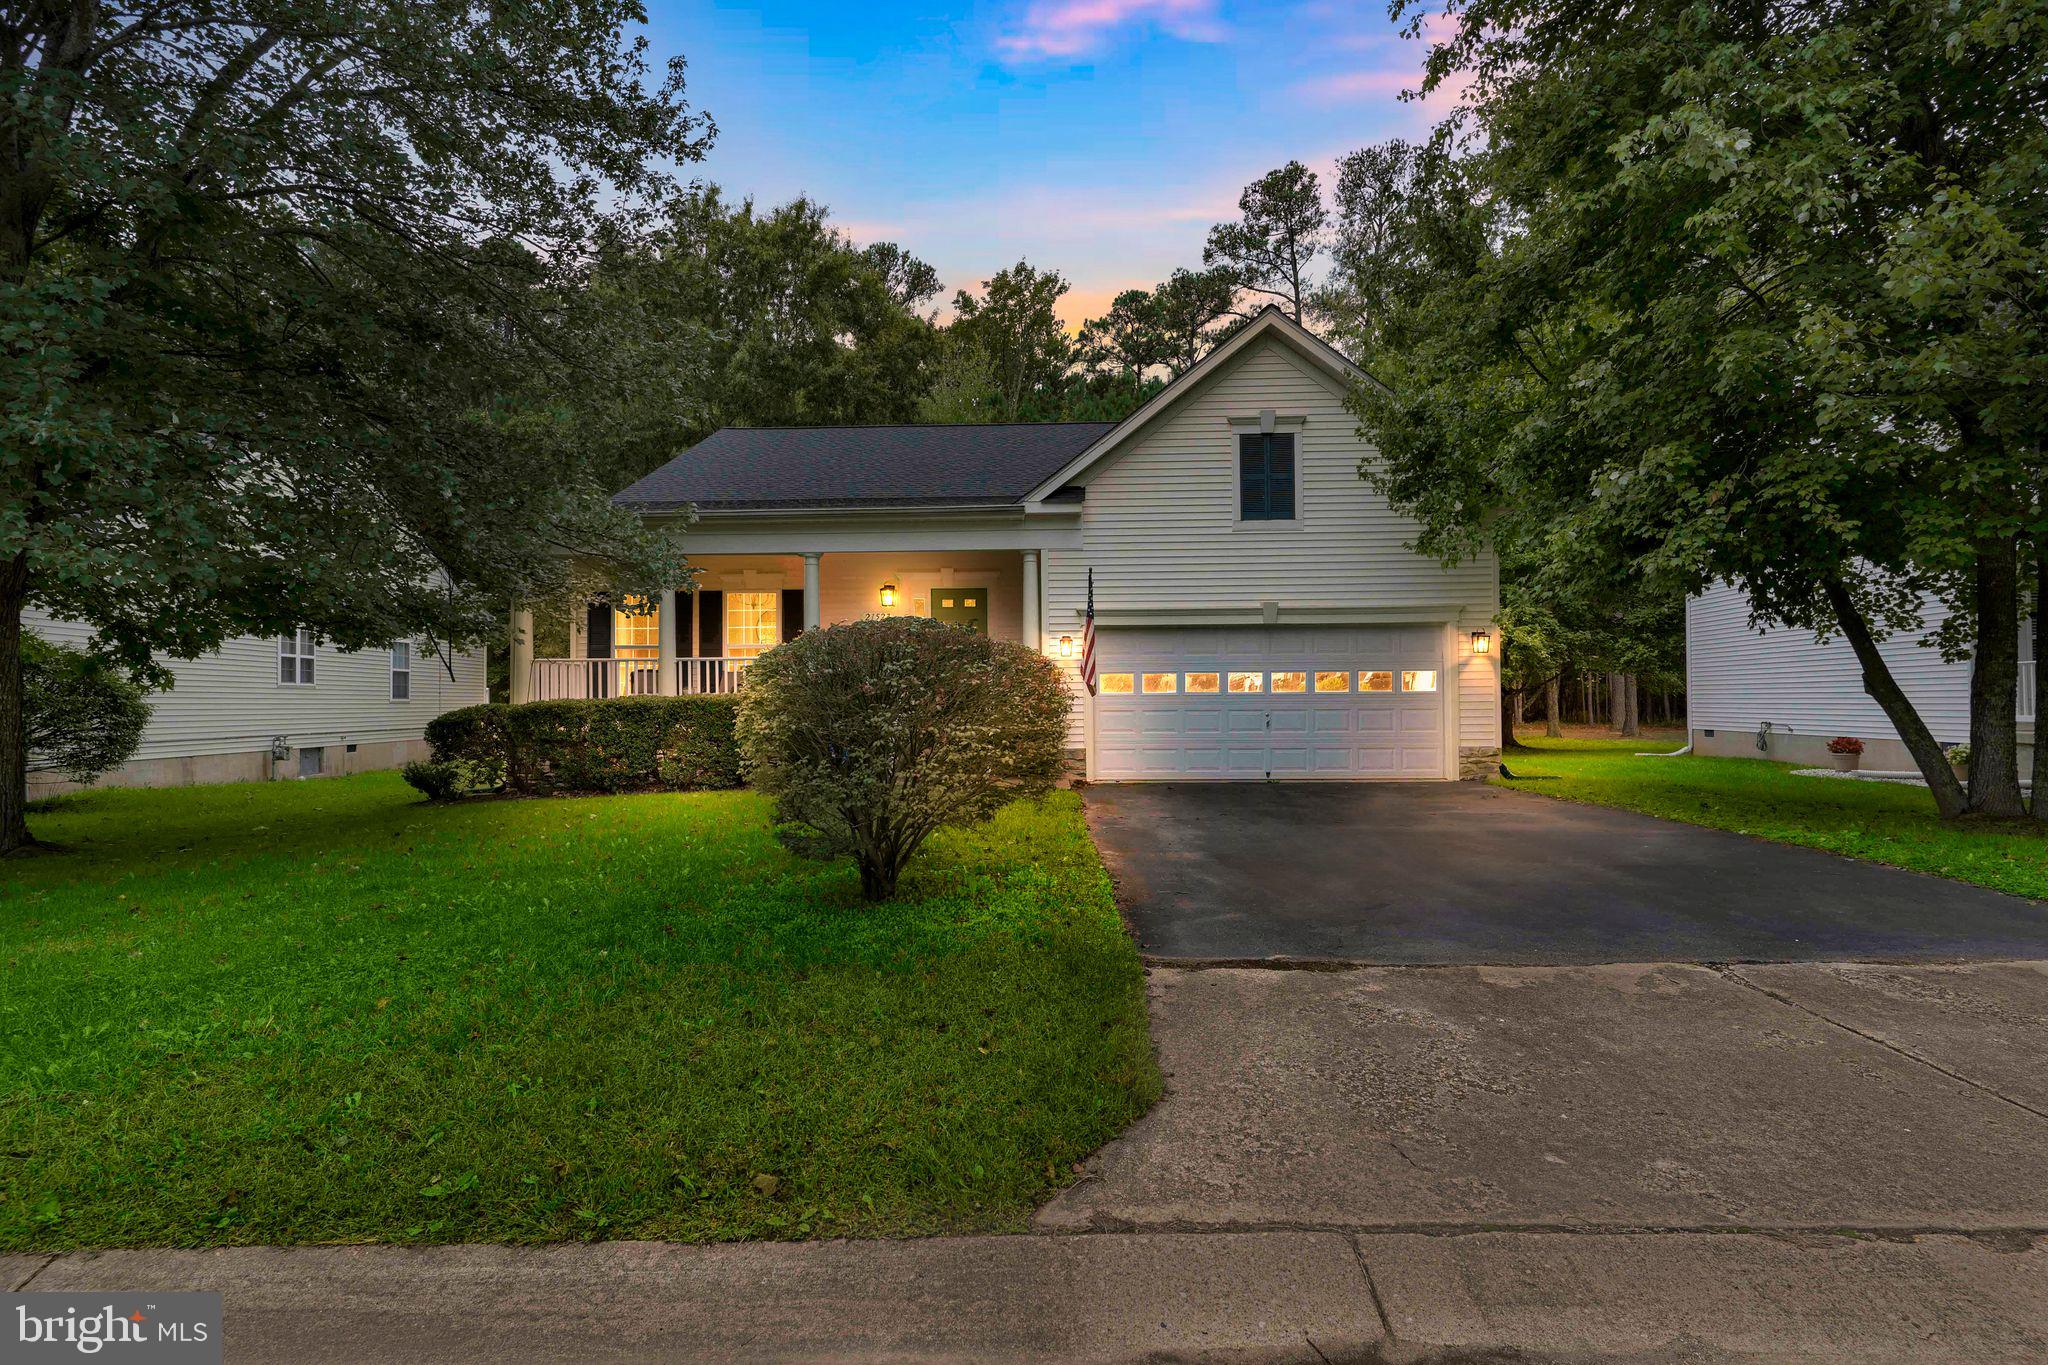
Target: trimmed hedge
[614,744]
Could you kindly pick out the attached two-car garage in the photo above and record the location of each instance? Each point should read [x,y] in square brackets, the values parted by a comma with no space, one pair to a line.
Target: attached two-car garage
[1249,703]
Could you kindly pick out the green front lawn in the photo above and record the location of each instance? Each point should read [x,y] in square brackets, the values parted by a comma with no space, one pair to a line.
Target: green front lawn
[327,1011]
[1882,821]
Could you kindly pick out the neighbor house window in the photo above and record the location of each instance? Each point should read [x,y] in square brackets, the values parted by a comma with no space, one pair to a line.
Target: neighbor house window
[1247,682]
[1378,680]
[1290,682]
[1265,476]
[1119,683]
[401,671]
[1161,682]
[1418,680]
[1333,682]
[295,658]
[753,623]
[1203,682]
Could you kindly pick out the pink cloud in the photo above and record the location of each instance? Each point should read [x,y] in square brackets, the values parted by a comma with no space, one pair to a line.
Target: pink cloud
[1070,28]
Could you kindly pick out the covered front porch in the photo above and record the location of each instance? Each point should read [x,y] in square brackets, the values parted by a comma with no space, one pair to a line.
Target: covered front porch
[704,640]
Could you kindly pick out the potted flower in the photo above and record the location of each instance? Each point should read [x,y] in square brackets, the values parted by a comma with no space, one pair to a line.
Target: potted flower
[1959,759]
[1846,750]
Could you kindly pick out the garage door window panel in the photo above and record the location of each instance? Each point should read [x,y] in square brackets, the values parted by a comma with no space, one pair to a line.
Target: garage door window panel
[1290,681]
[1327,681]
[1247,682]
[1116,684]
[1377,680]
[1418,680]
[1204,682]
[1161,682]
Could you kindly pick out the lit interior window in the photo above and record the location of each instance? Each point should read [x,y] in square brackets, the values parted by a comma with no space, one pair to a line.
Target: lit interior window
[1117,683]
[1247,682]
[636,633]
[1161,682]
[1333,682]
[1418,680]
[1290,682]
[1204,682]
[1379,680]
[753,623]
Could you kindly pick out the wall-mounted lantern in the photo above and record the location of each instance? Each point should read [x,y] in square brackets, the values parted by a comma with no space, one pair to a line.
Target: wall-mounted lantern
[1482,642]
[1066,646]
[888,594]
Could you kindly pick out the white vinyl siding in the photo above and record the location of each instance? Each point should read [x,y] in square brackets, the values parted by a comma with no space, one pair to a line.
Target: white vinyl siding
[1739,677]
[1160,527]
[230,701]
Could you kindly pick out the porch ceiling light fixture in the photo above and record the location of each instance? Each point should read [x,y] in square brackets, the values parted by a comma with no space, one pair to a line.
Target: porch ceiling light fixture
[888,594]
[1066,646]
[1482,642]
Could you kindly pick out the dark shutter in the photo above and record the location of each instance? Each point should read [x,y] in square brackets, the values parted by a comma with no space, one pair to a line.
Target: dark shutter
[1265,477]
[597,634]
[1251,477]
[710,624]
[792,612]
[1280,476]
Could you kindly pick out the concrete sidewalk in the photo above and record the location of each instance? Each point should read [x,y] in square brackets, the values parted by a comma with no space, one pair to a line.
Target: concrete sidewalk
[1621,1163]
[1270,1296]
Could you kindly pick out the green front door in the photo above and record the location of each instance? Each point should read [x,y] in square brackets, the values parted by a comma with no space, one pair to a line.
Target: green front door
[962,607]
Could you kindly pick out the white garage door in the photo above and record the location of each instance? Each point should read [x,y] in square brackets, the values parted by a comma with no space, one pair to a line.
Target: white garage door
[1250,703]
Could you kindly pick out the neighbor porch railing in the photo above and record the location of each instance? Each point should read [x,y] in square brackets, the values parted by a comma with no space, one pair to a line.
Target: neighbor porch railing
[2027,667]
[580,679]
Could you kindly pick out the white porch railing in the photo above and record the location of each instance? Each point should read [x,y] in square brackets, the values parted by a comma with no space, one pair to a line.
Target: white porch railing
[2027,667]
[581,679]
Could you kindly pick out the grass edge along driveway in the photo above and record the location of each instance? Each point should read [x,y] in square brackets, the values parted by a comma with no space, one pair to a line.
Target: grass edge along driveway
[331,1012]
[1880,821]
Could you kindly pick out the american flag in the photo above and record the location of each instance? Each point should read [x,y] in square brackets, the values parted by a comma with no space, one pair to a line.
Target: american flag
[1088,638]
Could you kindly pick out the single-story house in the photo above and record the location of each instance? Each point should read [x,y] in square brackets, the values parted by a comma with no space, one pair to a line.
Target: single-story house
[1779,693]
[1258,608]
[265,707]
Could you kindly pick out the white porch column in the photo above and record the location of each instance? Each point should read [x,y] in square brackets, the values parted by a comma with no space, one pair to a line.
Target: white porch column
[812,607]
[665,681]
[520,666]
[1034,634]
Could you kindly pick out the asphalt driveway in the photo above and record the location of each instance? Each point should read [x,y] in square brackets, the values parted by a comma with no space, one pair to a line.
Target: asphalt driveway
[1467,874]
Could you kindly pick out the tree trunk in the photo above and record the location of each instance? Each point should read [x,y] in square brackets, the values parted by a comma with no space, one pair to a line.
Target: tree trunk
[14,835]
[1631,720]
[1884,689]
[1552,728]
[1615,705]
[1994,682]
[2040,674]
[1507,720]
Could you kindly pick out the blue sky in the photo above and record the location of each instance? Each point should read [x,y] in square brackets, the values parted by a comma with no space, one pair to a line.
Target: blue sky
[1100,137]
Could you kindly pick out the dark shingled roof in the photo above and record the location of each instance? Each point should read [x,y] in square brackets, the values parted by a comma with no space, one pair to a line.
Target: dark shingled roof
[893,466]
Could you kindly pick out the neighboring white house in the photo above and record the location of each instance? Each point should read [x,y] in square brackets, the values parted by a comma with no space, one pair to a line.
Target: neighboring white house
[1258,611]
[1740,680]
[264,708]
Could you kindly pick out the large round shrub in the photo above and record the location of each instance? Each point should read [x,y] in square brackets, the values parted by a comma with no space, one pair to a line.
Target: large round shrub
[83,716]
[874,734]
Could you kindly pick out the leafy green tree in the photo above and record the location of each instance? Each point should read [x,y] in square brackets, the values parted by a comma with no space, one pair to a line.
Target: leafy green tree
[84,717]
[1408,218]
[1014,326]
[1127,341]
[962,385]
[724,315]
[1269,250]
[1187,309]
[266,270]
[1766,307]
